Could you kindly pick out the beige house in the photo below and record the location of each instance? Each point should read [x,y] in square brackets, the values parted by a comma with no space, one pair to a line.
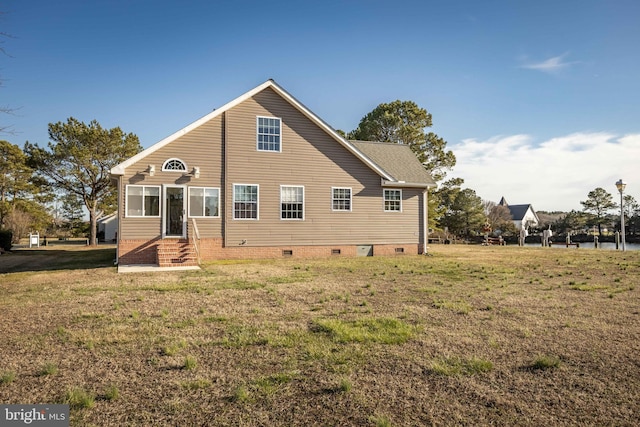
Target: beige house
[264,177]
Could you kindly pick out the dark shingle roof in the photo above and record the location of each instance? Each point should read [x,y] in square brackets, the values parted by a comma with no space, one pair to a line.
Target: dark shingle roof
[518,211]
[397,160]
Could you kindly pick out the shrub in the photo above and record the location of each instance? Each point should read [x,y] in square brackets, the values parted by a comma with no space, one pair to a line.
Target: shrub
[5,239]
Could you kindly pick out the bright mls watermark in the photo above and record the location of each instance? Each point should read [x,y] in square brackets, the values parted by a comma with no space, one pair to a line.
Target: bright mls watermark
[34,415]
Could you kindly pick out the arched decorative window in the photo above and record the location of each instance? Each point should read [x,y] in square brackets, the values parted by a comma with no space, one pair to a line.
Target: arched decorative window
[174,165]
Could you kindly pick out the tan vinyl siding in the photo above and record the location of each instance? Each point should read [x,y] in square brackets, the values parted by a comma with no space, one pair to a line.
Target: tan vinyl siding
[202,148]
[313,159]
[309,157]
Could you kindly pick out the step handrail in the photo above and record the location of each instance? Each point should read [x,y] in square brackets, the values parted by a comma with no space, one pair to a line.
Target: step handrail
[195,240]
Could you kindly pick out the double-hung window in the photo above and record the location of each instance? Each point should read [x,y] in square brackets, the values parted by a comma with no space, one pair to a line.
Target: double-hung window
[269,133]
[291,202]
[245,201]
[143,200]
[204,202]
[341,199]
[393,200]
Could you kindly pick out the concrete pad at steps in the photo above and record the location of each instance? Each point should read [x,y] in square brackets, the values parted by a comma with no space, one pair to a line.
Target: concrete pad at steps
[145,268]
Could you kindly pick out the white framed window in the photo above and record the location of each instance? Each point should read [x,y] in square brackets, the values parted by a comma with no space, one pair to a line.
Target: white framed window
[245,201]
[393,200]
[204,202]
[341,199]
[269,134]
[291,202]
[142,201]
[174,165]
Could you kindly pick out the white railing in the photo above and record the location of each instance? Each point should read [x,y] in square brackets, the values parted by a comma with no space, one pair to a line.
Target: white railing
[195,238]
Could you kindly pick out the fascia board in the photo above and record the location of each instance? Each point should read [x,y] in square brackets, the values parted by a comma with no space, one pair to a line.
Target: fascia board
[402,184]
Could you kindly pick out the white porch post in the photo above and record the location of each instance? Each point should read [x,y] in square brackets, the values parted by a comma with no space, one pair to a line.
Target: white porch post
[425,217]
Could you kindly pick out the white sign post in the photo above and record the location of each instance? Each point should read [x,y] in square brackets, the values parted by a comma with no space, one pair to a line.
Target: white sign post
[34,240]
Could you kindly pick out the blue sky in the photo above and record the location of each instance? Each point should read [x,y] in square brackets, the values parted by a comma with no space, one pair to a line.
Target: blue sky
[540,101]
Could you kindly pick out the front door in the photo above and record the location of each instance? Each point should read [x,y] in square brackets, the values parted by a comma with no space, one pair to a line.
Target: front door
[175,223]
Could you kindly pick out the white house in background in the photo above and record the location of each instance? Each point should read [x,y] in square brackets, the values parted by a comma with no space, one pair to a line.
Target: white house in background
[109,225]
[523,216]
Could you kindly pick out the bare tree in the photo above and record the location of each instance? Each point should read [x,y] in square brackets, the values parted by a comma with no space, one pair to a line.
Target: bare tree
[19,222]
[498,216]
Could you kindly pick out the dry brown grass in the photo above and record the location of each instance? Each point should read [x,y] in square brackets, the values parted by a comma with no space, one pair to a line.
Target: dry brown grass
[471,335]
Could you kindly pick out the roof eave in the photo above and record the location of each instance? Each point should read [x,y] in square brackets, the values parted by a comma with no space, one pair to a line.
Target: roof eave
[117,170]
[403,184]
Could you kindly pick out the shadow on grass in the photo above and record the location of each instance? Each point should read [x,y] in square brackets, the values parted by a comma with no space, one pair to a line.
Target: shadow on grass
[65,258]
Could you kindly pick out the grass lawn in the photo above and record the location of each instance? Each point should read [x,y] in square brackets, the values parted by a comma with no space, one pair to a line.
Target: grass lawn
[468,336]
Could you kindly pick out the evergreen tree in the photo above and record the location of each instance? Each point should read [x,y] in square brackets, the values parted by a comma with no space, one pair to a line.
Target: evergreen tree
[78,161]
[404,122]
[462,211]
[599,203]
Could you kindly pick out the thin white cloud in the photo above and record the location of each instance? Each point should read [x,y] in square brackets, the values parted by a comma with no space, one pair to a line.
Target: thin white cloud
[550,65]
[553,175]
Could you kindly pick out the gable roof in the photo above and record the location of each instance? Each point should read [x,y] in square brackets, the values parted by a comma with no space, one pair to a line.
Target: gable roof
[519,211]
[120,169]
[108,218]
[397,160]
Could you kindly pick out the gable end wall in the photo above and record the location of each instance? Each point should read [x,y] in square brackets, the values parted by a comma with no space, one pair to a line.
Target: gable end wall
[309,157]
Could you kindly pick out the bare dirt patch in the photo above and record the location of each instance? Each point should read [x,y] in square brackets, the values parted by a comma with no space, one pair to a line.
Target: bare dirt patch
[470,335]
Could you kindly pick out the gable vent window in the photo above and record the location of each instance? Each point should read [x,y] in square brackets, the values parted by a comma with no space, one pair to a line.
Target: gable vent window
[174,165]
